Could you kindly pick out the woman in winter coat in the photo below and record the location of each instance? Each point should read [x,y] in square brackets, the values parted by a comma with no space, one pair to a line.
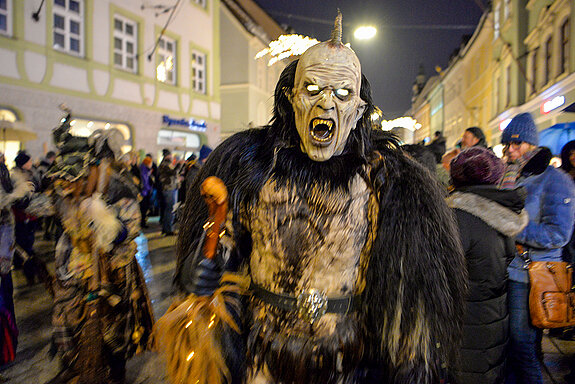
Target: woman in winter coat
[488,220]
[550,204]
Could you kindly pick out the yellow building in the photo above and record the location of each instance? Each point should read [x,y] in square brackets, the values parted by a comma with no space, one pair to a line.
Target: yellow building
[467,84]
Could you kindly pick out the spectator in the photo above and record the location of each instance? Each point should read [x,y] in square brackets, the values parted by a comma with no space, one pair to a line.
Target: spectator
[147,188]
[437,146]
[190,170]
[8,329]
[25,223]
[204,153]
[551,207]
[488,220]
[44,165]
[473,137]
[168,174]
[52,227]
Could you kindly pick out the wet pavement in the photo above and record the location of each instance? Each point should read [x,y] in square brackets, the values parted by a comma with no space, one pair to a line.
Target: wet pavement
[33,364]
[33,304]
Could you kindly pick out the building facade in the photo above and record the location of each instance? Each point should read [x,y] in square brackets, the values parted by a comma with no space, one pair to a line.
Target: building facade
[521,58]
[247,84]
[151,70]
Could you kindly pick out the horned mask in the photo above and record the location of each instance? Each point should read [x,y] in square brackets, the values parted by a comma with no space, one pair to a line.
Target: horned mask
[325,97]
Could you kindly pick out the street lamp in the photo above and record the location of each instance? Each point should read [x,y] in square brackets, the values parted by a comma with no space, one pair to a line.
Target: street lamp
[365,32]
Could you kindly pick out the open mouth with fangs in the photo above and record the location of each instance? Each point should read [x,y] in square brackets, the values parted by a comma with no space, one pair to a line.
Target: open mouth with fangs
[321,130]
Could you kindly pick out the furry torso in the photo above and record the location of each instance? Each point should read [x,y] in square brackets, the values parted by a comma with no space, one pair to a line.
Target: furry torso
[309,239]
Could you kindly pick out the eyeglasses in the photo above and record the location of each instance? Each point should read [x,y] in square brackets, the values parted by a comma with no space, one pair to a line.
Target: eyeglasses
[514,144]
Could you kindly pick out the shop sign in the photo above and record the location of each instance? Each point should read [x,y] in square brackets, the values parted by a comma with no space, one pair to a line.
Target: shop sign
[552,104]
[191,124]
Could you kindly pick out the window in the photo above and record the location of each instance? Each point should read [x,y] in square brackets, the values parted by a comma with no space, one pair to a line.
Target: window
[166,57]
[496,21]
[68,26]
[508,85]
[6,17]
[548,67]
[564,49]
[534,69]
[125,44]
[198,72]
[201,3]
[84,128]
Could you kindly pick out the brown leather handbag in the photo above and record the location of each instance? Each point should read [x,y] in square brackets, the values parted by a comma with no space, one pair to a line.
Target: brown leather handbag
[551,292]
[551,295]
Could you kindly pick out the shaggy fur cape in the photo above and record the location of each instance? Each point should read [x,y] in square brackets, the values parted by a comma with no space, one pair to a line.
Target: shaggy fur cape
[412,304]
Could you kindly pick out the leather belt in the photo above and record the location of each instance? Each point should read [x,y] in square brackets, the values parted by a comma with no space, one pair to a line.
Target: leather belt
[310,304]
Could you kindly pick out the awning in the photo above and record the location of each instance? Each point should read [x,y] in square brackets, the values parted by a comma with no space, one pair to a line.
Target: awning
[15,131]
[556,136]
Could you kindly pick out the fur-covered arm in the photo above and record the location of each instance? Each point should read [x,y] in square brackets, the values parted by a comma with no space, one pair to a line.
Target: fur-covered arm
[228,162]
[416,278]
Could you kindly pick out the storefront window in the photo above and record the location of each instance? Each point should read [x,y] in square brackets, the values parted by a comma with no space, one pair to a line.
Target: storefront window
[10,148]
[84,128]
[181,144]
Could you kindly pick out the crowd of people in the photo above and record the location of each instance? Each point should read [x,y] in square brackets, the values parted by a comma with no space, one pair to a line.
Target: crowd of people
[506,208]
[498,204]
[92,201]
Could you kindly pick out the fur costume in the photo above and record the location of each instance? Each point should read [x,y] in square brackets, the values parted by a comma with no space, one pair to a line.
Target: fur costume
[354,223]
[102,313]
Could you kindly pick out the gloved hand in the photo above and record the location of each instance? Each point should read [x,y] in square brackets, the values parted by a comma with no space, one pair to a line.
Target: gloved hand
[206,277]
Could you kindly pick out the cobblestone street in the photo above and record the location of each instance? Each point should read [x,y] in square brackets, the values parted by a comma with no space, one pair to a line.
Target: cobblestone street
[34,365]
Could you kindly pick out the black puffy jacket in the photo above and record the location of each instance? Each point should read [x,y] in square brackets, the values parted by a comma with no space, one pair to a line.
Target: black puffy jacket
[488,221]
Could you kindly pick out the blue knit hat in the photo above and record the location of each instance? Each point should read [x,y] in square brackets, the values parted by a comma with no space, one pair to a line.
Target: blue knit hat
[521,129]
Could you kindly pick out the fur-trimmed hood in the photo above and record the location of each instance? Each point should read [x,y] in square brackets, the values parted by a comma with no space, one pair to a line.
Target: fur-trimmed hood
[501,218]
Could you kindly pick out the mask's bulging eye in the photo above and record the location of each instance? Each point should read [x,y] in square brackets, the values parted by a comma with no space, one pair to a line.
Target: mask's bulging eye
[313,89]
[342,93]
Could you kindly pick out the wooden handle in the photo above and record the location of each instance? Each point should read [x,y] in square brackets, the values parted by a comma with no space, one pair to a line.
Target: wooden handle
[216,196]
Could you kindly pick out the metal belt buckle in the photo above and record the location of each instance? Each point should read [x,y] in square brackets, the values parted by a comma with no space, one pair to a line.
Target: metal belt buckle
[311,305]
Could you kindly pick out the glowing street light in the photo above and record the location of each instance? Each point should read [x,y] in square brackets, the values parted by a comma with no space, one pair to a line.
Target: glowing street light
[365,32]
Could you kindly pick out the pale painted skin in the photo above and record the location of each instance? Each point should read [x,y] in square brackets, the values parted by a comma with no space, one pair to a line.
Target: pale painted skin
[327,85]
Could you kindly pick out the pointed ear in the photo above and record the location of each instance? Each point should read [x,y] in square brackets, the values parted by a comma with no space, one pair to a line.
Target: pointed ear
[360,110]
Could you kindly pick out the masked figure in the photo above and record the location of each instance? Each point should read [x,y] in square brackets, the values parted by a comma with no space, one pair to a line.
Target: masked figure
[355,268]
[102,313]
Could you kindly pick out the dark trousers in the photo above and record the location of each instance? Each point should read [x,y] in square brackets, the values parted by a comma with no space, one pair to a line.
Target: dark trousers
[144,208]
[524,364]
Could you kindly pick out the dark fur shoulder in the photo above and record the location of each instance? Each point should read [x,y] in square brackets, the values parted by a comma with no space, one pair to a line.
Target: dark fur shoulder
[241,162]
[416,275]
[121,186]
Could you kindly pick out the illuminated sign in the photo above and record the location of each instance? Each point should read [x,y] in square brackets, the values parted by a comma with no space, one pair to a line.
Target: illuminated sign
[504,124]
[552,104]
[192,124]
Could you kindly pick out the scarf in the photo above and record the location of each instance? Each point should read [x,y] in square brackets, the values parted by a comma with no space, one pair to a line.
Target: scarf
[513,170]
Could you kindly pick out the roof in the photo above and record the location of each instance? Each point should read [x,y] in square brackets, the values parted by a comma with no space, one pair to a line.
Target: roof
[255,19]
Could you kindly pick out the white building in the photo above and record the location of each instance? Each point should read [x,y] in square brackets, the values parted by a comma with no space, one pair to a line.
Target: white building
[150,68]
[247,85]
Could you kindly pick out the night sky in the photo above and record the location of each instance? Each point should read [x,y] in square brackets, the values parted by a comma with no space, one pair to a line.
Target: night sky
[391,60]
